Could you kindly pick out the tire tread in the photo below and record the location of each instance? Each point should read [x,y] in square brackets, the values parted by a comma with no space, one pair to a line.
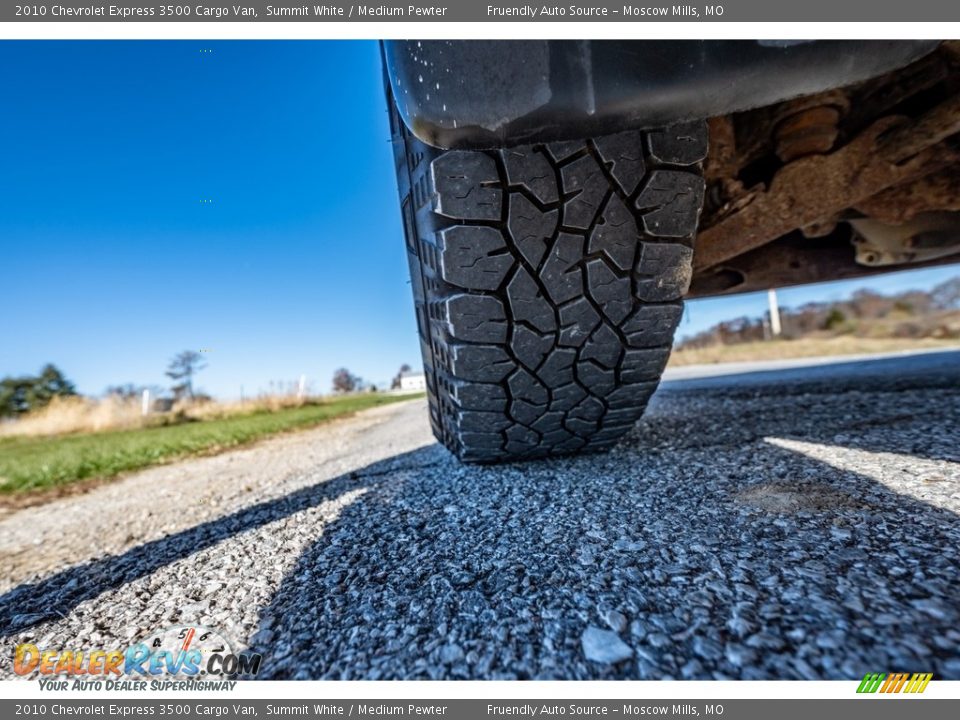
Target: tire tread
[548,282]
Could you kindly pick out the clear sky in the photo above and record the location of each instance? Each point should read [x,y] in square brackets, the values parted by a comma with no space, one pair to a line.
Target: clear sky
[112,261]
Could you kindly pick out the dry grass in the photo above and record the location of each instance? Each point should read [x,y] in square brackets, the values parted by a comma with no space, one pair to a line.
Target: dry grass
[806,347]
[45,465]
[70,415]
[266,403]
[75,414]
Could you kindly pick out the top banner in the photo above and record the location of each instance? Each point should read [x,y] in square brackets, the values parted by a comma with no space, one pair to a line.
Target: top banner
[615,11]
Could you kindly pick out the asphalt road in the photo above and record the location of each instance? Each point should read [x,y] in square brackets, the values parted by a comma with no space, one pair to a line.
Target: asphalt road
[775,523]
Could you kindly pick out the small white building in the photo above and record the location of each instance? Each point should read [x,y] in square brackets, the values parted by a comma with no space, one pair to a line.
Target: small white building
[412,381]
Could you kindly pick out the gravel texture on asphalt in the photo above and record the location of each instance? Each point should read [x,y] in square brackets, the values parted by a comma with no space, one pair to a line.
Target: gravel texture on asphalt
[760,526]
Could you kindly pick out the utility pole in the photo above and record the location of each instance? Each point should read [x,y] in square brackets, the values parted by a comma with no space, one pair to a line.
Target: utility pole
[774,312]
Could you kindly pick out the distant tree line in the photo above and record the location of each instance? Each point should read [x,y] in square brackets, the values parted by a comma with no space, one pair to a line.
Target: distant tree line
[24,393]
[917,313]
[345,381]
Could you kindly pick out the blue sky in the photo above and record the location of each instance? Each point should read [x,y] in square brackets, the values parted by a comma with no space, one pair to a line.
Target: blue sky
[112,262]
[298,264]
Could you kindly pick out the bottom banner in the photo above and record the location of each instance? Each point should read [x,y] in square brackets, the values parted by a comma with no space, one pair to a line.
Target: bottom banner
[874,707]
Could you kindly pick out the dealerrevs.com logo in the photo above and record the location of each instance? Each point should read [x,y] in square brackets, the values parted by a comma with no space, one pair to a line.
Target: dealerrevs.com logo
[185,652]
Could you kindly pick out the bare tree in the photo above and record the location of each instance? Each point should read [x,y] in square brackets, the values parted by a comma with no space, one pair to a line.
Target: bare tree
[182,369]
[344,381]
[395,383]
[946,295]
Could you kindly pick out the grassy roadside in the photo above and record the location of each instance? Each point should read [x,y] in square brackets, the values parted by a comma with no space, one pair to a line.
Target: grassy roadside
[806,347]
[30,464]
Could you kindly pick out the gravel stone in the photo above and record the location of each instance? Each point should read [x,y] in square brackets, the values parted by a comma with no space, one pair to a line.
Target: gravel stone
[740,655]
[451,654]
[707,649]
[616,621]
[638,629]
[604,646]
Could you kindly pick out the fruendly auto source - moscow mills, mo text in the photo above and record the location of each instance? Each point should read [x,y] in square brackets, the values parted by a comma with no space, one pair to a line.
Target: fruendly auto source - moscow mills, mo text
[593,11]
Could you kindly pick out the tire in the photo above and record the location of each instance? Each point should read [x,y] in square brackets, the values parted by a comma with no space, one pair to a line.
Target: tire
[548,283]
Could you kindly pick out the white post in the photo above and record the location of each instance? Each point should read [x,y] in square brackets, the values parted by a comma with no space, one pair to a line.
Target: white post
[774,312]
[302,387]
[145,403]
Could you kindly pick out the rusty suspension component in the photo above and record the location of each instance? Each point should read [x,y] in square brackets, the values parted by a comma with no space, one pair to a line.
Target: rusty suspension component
[890,152]
[937,191]
[809,126]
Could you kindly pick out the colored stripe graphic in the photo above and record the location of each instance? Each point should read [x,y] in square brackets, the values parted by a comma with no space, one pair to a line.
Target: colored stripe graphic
[918,683]
[894,682]
[870,682]
[890,682]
